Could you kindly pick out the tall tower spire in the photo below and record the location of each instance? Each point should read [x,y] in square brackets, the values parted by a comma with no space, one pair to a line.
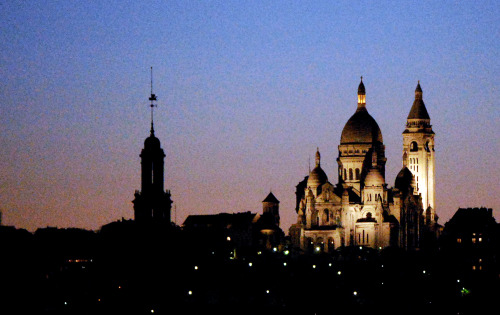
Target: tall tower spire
[153,100]
[419,154]
[152,202]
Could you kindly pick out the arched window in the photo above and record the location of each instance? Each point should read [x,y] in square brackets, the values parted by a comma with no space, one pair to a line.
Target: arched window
[345,173]
[357,174]
[350,174]
[326,216]
[413,147]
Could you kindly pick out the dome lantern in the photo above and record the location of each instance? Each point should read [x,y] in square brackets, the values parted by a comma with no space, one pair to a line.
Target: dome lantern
[361,95]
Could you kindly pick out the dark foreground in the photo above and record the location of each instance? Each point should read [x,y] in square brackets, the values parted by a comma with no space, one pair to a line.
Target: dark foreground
[146,272]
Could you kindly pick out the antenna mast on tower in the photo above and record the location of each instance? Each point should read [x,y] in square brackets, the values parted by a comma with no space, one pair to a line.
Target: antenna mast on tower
[152,98]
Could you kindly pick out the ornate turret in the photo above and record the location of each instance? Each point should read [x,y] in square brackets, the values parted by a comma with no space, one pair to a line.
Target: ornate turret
[418,153]
[361,95]
[317,177]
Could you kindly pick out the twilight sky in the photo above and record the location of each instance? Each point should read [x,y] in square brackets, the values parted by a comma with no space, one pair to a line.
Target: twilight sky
[246,92]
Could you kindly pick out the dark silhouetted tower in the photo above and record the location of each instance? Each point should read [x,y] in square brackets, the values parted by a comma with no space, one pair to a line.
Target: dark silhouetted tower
[271,205]
[152,203]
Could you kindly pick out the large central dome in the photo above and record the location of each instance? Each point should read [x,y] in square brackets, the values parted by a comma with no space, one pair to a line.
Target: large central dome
[361,128]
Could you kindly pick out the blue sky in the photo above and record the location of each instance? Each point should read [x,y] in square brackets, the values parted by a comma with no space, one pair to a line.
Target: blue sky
[247,91]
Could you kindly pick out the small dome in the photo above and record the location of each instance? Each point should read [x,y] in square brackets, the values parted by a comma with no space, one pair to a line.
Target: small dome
[152,142]
[361,128]
[404,180]
[317,177]
[374,178]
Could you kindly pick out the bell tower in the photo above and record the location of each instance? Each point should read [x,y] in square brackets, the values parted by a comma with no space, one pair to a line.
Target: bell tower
[152,203]
[419,154]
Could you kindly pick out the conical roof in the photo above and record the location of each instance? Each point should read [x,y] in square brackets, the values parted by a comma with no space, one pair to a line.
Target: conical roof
[271,198]
[418,110]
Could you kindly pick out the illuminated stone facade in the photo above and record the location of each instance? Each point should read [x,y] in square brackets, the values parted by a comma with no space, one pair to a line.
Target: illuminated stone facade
[361,210]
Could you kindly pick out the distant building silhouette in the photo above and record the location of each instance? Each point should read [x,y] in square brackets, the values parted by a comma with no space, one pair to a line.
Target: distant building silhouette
[361,210]
[152,202]
[471,238]
[236,233]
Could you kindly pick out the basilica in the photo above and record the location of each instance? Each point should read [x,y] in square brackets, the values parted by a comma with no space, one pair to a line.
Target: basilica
[361,210]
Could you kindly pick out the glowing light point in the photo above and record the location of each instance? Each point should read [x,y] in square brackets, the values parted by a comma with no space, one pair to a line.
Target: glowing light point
[152,311]
[275,249]
[267,291]
[355,293]
[195,267]
[330,264]
[190,292]
[250,264]
[228,238]
[314,266]
[284,264]
[339,272]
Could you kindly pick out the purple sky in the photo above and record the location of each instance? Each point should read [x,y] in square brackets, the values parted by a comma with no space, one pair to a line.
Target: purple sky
[246,94]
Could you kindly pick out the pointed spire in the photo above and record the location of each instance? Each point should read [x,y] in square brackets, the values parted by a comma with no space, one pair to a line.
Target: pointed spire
[418,110]
[318,157]
[361,95]
[418,91]
[361,88]
[271,198]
